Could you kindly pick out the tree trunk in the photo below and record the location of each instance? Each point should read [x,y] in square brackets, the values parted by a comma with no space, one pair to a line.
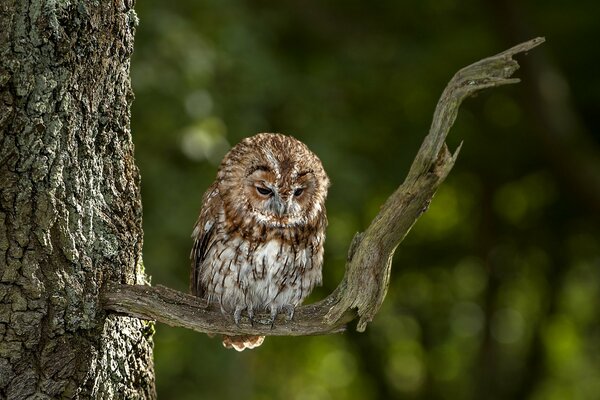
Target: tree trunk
[70,210]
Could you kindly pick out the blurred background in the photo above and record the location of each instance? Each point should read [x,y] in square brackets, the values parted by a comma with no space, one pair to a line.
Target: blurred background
[494,293]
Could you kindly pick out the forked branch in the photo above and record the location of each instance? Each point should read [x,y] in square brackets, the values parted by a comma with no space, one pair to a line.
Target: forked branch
[365,283]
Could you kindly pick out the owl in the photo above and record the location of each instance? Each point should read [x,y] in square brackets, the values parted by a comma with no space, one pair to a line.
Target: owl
[258,242]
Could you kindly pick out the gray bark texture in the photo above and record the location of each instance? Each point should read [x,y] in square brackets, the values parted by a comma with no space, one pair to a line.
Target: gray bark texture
[70,210]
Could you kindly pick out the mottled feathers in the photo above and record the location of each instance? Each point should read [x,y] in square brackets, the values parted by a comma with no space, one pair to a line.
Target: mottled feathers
[258,242]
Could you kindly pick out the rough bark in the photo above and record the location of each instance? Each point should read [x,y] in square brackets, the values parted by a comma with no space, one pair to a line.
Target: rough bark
[365,283]
[70,211]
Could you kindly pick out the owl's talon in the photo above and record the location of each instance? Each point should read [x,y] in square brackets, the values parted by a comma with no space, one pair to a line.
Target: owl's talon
[224,312]
[273,315]
[237,315]
[288,309]
[271,323]
[251,316]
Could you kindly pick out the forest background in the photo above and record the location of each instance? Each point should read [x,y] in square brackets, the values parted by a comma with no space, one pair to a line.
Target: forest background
[494,293]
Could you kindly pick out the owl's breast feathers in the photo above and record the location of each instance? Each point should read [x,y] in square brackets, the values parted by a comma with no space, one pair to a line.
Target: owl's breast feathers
[240,260]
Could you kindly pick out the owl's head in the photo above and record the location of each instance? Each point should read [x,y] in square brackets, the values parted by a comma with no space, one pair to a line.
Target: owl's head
[274,180]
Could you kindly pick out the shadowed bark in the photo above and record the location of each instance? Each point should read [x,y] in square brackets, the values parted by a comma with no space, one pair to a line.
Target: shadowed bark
[70,211]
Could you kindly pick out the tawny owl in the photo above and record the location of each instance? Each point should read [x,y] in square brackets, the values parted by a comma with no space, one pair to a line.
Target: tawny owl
[258,242]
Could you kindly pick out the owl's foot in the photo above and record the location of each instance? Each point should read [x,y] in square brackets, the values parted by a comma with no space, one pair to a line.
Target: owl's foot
[274,309]
[237,315]
[224,311]
[287,309]
[250,312]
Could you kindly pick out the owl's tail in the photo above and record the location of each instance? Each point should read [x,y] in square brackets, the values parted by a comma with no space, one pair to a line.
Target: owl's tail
[241,343]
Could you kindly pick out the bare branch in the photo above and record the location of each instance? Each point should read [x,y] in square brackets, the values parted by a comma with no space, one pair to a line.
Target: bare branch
[365,283]
[180,309]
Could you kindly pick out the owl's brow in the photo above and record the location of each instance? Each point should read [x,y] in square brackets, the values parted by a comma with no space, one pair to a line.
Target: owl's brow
[258,168]
[303,173]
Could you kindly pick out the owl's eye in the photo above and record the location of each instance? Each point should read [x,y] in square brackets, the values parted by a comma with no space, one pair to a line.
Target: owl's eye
[298,192]
[264,191]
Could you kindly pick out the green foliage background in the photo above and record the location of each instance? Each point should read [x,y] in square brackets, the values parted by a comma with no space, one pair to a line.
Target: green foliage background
[493,294]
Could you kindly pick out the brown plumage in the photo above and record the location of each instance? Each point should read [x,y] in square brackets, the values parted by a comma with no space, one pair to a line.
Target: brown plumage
[258,242]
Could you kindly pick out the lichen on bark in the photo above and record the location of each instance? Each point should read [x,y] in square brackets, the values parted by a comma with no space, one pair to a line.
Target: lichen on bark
[70,210]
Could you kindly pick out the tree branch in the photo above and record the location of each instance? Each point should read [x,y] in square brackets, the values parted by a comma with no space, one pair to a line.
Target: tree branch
[365,283]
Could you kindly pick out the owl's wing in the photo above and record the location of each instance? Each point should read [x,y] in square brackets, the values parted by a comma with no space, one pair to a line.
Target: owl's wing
[203,233]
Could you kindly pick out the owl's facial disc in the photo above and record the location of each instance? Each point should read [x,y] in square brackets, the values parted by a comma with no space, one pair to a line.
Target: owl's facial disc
[271,199]
[276,200]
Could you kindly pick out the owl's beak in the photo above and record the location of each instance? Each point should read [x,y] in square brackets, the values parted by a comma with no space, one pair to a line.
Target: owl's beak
[279,207]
